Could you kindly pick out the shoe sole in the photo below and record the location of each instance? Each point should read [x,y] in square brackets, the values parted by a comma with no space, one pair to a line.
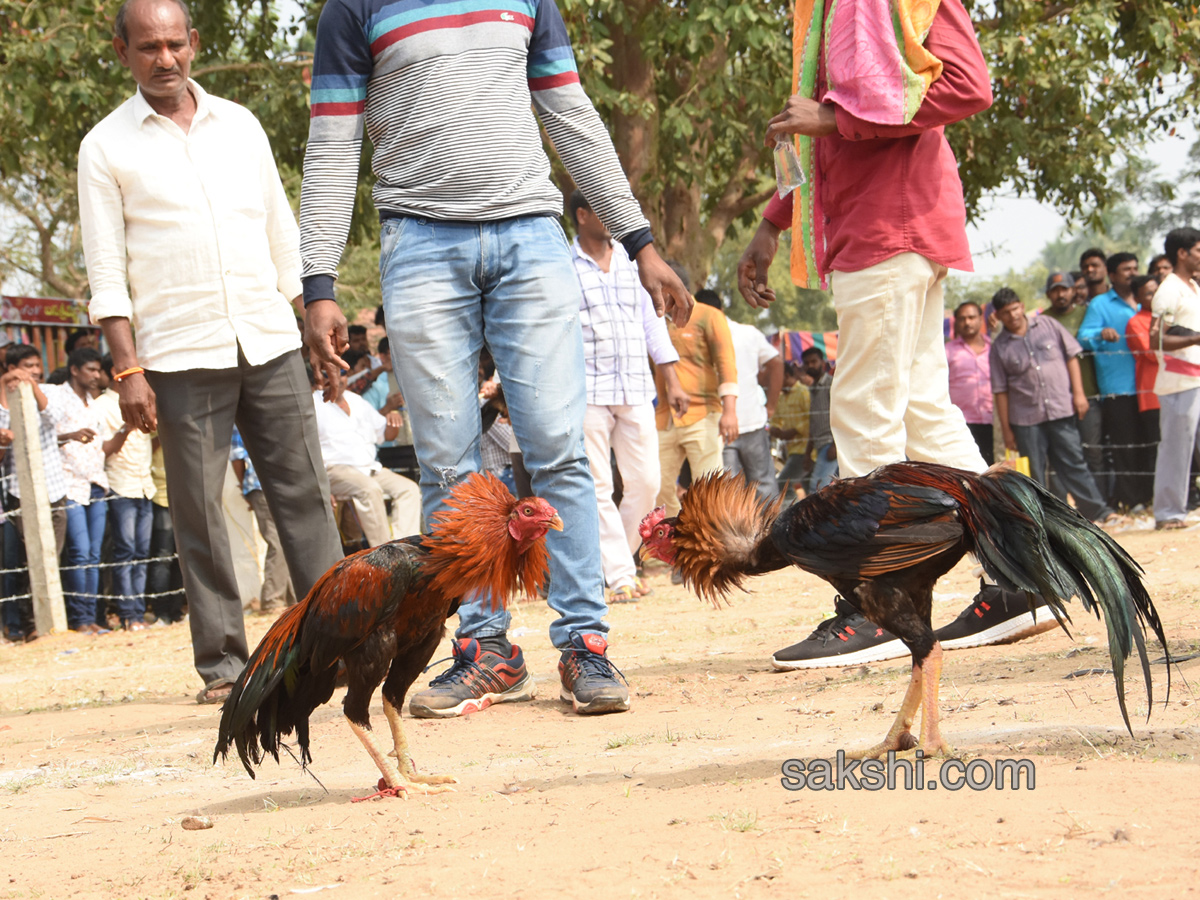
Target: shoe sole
[1010,631]
[893,649]
[522,690]
[594,707]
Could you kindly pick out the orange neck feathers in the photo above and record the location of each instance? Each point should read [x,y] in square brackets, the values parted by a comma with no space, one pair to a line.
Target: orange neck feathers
[470,547]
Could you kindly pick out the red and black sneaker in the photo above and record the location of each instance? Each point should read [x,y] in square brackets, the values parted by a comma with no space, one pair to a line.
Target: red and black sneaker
[996,616]
[847,639]
[477,679]
[589,679]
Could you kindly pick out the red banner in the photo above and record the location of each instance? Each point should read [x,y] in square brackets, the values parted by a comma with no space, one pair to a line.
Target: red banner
[43,310]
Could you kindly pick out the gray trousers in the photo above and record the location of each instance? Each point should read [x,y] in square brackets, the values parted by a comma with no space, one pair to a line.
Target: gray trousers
[273,408]
[277,591]
[1178,421]
[750,457]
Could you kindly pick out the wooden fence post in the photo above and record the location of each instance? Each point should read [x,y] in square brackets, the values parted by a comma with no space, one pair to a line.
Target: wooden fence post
[41,550]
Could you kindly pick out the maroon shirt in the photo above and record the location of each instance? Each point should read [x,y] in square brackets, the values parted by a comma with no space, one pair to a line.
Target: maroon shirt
[892,189]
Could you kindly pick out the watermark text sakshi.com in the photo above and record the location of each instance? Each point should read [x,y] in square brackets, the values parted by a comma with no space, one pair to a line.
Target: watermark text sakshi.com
[840,774]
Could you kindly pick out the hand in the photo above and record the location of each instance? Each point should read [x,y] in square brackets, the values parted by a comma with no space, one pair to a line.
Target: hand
[1110,335]
[831,452]
[395,400]
[326,337]
[394,419]
[1010,441]
[488,390]
[138,403]
[677,400]
[756,260]
[83,436]
[802,115]
[6,437]
[728,427]
[1081,405]
[670,297]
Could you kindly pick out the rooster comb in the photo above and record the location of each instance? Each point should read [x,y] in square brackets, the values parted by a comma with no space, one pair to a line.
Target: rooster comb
[652,518]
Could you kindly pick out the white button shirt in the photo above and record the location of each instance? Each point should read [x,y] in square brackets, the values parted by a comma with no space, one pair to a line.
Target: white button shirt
[350,439]
[200,228]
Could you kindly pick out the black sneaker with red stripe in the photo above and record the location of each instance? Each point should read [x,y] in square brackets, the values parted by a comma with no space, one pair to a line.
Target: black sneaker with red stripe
[996,616]
[477,679]
[847,639]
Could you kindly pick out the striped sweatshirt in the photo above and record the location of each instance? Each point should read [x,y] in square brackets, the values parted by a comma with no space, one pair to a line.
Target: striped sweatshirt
[447,90]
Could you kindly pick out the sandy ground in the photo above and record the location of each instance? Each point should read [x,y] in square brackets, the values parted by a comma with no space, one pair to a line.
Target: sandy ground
[103,753]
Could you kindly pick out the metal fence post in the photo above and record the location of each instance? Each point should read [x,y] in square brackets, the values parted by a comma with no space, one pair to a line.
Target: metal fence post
[41,550]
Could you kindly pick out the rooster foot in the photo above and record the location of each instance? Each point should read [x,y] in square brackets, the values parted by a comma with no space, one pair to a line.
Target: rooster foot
[416,785]
[901,742]
[431,779]
[399,790]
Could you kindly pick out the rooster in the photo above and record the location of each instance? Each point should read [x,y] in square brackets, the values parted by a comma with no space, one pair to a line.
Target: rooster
[884,540]
[381,612]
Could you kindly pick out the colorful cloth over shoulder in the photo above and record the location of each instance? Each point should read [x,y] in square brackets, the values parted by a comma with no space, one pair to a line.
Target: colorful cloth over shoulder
[876,68]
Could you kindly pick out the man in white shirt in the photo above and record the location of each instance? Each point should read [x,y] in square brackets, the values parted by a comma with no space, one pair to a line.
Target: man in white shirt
[127,454]
[750,454]
[179,196]
[350,429]
[620,328]
[1176,308]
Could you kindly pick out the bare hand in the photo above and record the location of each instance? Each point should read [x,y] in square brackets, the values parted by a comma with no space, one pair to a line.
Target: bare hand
[802,115]
[756,260]
[1110,335]
[1081,405]
[83,436]
[1010,441]
[326,337]
[831,452]
[394,419]
[728,426]
[138,404]
[667,292]
[677,400]
[6,437]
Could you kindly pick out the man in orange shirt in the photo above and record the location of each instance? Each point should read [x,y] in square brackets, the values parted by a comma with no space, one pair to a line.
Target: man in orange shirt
[708,372]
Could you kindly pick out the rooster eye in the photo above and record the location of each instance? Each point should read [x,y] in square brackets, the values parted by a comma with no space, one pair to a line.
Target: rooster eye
[529,510]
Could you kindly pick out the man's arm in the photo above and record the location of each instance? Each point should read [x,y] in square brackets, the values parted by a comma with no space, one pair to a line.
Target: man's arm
[720,348]
[1010,439]
[138,405]
[586,150]
[1078,398]
[770,374]
[677,398]
[342,65]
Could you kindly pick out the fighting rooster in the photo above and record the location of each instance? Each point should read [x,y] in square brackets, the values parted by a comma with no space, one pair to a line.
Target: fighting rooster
[883,541]
[382,612]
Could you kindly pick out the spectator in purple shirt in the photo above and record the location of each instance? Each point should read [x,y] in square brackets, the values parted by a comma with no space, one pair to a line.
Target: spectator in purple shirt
[970,380]
[1039,395]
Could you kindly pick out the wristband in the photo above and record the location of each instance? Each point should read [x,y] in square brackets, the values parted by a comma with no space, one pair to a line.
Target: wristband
[132,370]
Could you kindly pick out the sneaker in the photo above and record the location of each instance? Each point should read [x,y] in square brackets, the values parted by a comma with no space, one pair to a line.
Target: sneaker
[996,616]
[589,679]
[847,639]
[477,679]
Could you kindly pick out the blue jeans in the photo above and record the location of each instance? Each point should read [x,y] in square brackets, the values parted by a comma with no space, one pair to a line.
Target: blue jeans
[85,533]
[131,521]
[447,288]
[824,470]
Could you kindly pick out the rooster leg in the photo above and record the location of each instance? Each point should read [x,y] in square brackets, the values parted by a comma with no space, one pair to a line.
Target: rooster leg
[932,742]
[899,736]
[392,784]
[404,759]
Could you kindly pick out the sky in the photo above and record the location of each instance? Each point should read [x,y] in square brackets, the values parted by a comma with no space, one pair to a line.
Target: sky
[1013,230]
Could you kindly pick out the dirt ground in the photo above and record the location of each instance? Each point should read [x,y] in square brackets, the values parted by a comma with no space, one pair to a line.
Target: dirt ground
[103,753]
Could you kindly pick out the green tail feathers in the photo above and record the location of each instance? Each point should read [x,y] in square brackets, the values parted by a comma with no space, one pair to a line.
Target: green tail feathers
[1057,554]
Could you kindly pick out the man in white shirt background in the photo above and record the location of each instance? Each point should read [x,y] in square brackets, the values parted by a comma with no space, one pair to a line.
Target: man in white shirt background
[350,430]
[1176,306]
[180,199]
[620,328]
[757,362]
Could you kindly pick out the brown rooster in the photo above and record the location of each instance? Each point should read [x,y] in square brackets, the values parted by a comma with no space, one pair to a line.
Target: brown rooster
[382,612]
[884,540]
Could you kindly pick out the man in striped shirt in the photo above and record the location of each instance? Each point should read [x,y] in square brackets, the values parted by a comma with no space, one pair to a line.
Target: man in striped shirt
[471,252]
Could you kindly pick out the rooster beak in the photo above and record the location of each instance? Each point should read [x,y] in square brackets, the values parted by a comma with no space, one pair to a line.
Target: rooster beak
[555,523]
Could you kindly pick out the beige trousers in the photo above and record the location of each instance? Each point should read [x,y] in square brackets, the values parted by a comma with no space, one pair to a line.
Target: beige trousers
[698,443]
[890,398]
[368,493]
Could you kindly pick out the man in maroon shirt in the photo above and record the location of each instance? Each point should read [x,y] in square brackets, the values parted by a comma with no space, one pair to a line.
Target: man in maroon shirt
[894,223]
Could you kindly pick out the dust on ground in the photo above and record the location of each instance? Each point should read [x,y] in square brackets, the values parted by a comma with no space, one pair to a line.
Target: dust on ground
[103,753]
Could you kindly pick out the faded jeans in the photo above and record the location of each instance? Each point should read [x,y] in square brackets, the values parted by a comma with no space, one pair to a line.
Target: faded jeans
[449,287]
